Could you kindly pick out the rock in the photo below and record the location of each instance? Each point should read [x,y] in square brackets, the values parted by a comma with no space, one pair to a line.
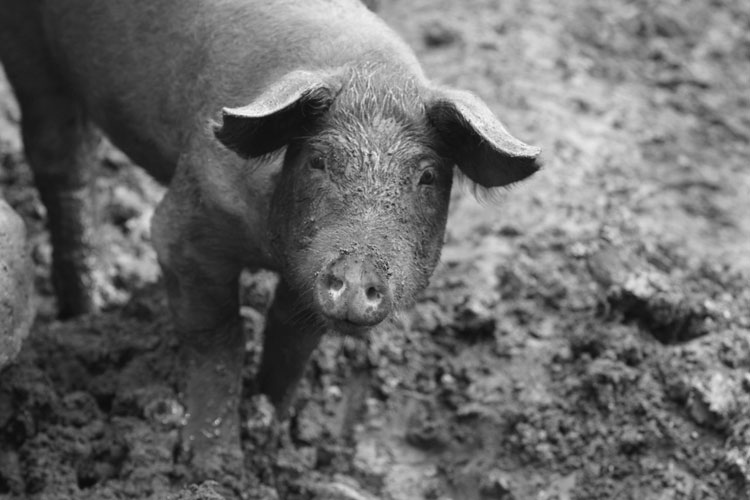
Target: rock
[429,316]
[637,291]
[309,426]
[712,402]
[204,491]
[474,321]
[737,464]
[16,285]
[261,424]
[125,204]
[369,459]
[496,486]
[341,488]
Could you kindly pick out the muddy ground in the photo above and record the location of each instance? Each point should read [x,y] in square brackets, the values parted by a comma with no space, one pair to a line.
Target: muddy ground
[587,335]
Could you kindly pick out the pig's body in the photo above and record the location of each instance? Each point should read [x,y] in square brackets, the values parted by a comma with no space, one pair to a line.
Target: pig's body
[152,74]
[352,214]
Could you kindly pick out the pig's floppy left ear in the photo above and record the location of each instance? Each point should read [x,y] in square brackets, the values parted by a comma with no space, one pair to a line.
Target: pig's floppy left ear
[278,114]
[478,142]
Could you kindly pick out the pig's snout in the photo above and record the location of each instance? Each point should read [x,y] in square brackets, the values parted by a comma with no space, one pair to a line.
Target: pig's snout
[353,293]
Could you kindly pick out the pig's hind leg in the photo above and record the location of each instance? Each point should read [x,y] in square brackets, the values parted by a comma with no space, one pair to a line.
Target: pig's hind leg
[60,146]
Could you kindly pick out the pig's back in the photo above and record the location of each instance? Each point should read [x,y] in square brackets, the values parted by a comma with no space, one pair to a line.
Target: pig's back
[151,73]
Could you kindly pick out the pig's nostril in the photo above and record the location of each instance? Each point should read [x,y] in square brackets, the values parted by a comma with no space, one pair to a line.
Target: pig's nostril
[373,294]
[351,291]
[335,284]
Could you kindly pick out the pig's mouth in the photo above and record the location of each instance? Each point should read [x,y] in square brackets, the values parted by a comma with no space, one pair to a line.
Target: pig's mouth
[349,329]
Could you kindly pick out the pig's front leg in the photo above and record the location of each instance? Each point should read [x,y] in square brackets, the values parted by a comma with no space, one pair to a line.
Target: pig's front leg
[292,334]
[212,352]
[201,277]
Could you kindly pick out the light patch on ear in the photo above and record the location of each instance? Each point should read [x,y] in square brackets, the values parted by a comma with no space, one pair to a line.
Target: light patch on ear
[280,95]
[277,114]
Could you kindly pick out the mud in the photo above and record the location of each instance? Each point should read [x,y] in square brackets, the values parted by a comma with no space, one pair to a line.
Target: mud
[585,337]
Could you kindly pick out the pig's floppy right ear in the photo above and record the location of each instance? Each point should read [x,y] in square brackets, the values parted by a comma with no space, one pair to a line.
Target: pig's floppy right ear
[279,113]
[478,142]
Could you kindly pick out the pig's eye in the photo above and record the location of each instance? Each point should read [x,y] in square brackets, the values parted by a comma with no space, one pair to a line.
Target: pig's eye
[317,163]
[428,177]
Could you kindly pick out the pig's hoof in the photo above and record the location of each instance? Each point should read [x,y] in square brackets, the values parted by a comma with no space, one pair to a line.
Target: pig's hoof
[76,288]
[16,285]
[217,461]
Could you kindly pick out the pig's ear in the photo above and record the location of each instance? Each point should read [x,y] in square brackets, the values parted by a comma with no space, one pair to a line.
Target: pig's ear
[277,115]
[478,142]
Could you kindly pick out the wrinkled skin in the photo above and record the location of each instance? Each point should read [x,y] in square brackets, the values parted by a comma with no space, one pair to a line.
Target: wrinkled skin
[330,160]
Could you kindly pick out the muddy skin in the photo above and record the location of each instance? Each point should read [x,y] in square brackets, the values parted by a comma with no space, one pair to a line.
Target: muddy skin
[369,184]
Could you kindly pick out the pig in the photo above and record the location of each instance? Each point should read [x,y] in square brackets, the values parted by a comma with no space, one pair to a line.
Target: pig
[16,285]
[300,137]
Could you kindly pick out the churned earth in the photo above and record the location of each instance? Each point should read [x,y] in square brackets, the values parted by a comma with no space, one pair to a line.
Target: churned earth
[587,335]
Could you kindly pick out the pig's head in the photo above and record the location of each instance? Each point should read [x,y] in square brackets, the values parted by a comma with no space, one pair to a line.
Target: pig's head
[359,210]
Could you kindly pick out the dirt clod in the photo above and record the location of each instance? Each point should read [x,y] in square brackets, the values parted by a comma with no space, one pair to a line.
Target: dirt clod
[496,485]
[438,33]
[713,401]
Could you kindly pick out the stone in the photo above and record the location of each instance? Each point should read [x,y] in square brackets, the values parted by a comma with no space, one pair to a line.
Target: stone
[16,285]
